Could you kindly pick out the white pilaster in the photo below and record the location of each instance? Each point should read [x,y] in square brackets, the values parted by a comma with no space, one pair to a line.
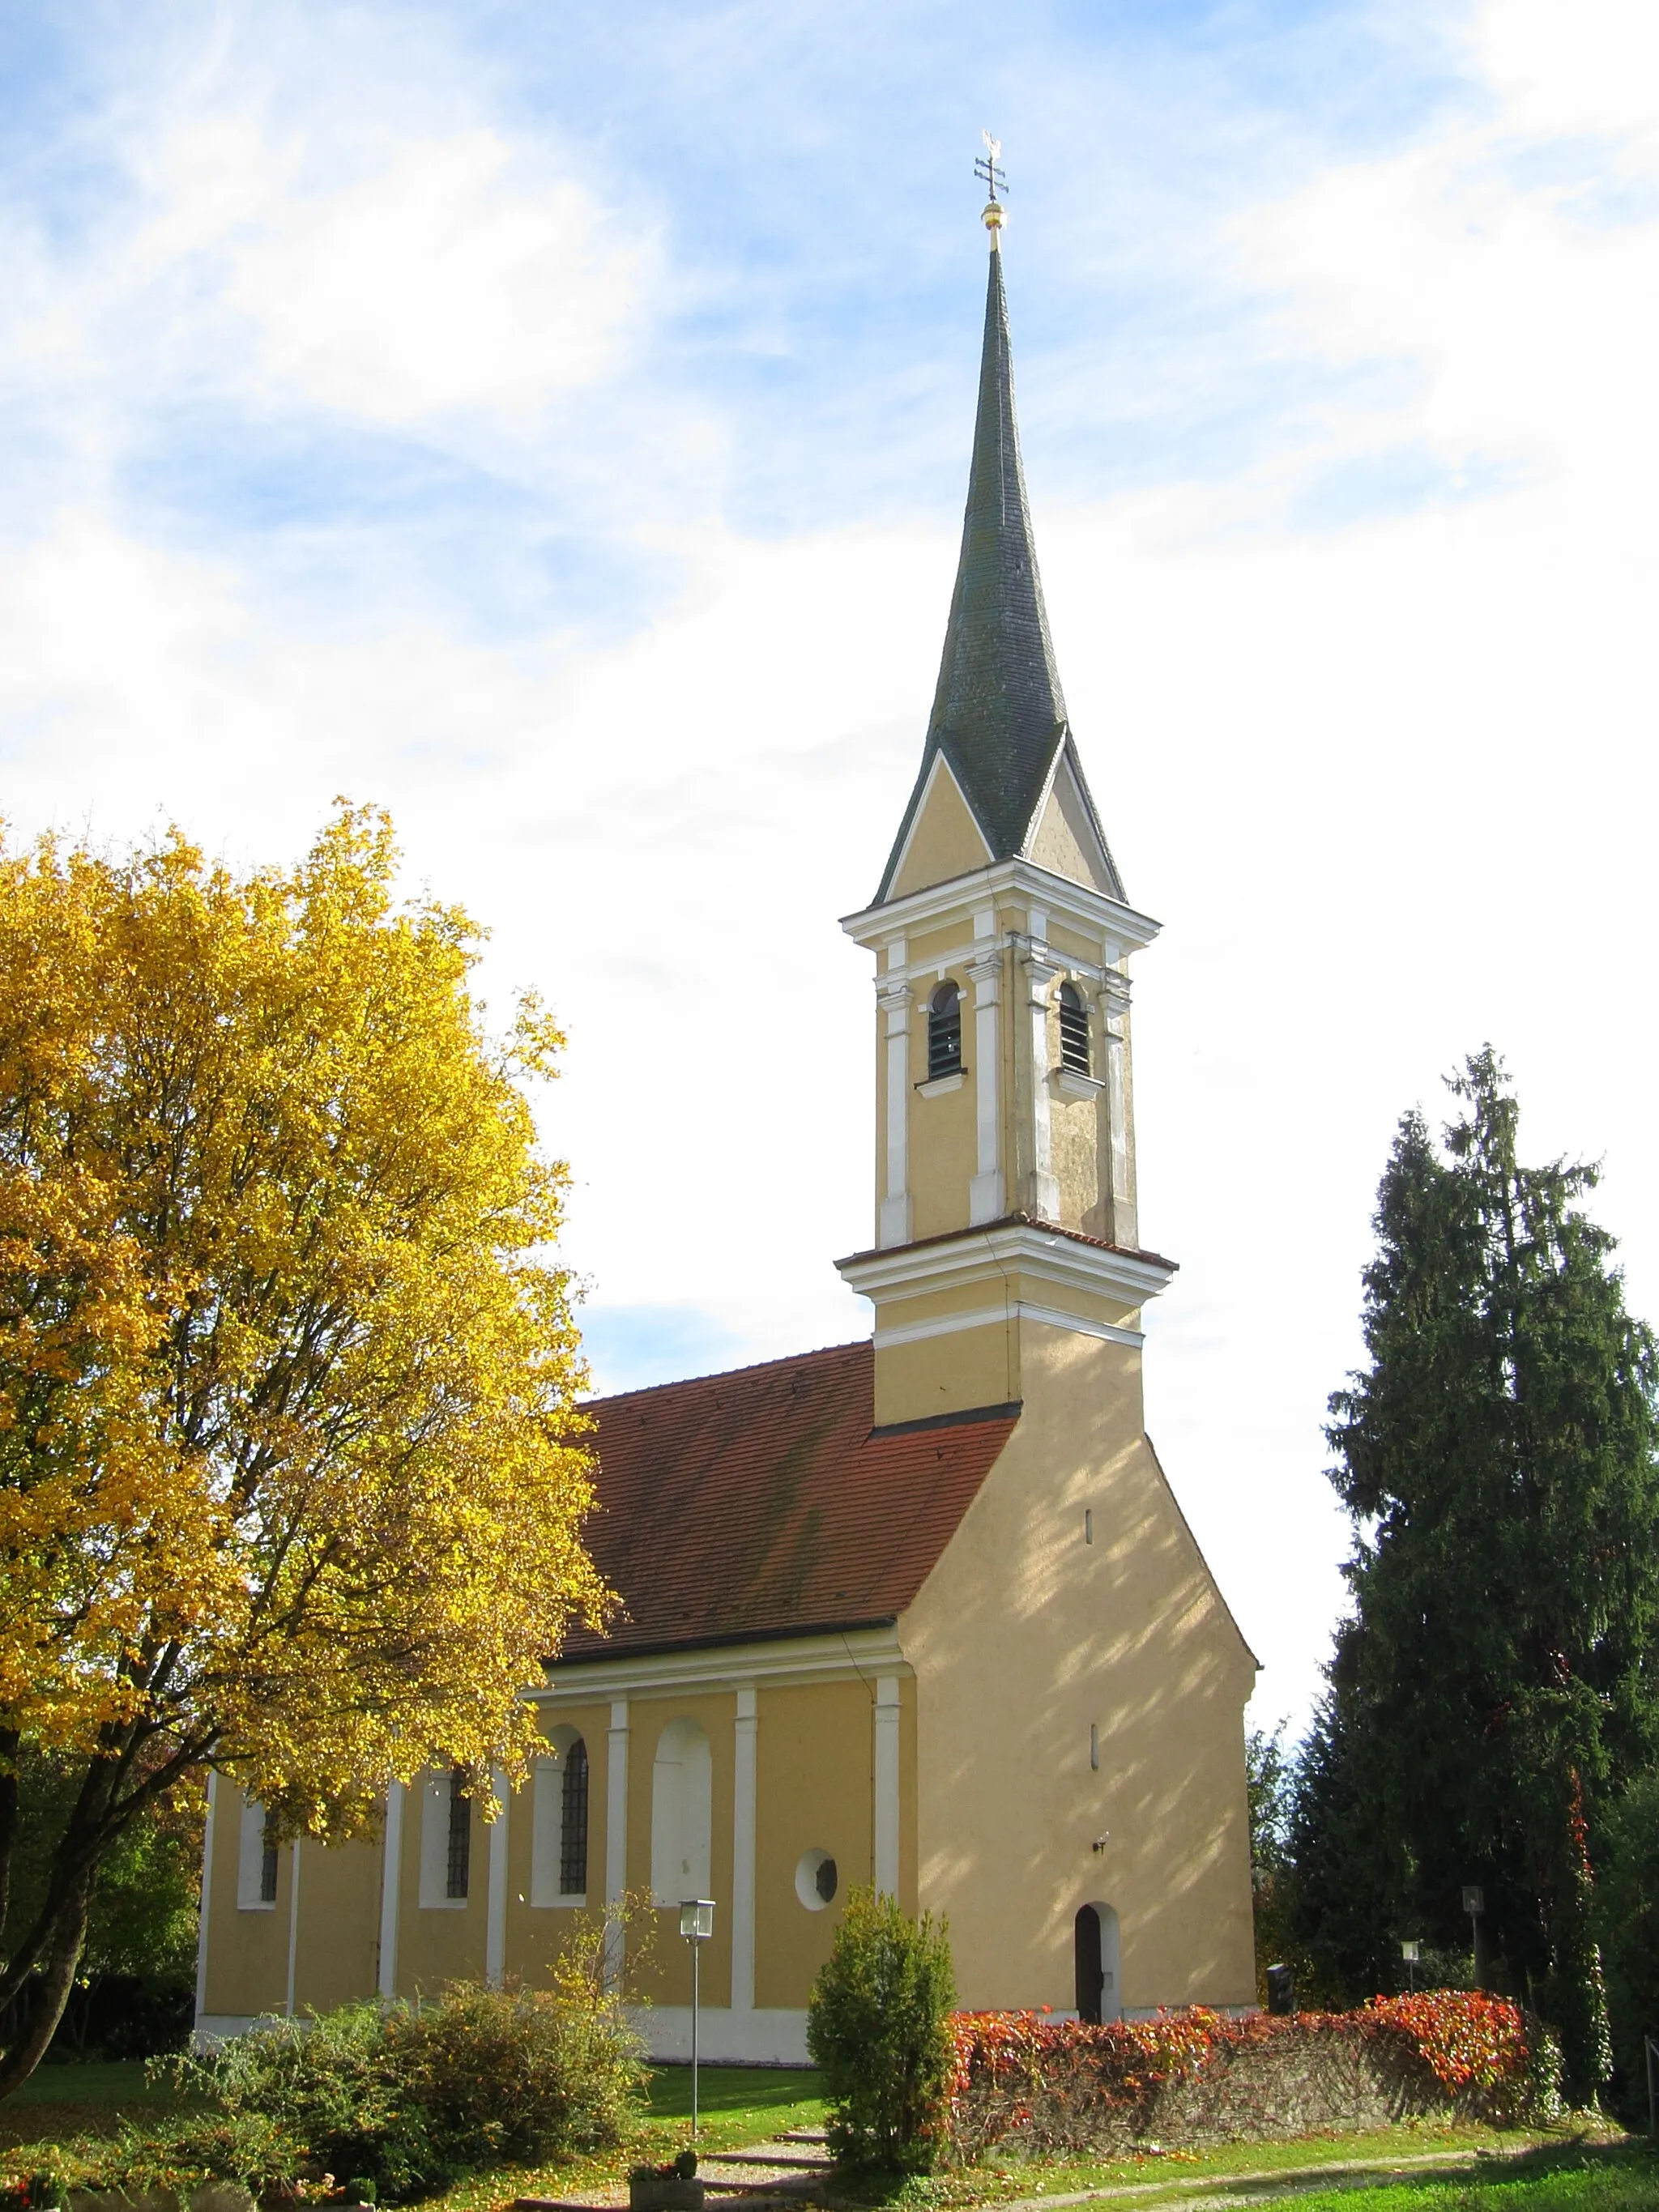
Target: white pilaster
[616,1828]
[986,1197]
[292,1925]
[743,1851]
[1114,1010]
[391,1883]
[886,1766]
[1040,974]
[495,1894]
[207,1896]
[894,1000]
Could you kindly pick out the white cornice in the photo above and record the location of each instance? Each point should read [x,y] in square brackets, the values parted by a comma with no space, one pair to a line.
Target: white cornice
[1079,904]
[917,1331]
[848,1654]
[982,1255]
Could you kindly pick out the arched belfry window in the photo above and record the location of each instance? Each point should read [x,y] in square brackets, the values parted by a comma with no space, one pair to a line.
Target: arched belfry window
[944,1032]
[1074,1031]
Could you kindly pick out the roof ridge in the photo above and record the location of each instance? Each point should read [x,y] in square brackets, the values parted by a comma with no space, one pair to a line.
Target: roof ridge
[723,1374]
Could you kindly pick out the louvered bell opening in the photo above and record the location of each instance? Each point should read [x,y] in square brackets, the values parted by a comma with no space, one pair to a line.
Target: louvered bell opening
[1074,1031]
[944,1032]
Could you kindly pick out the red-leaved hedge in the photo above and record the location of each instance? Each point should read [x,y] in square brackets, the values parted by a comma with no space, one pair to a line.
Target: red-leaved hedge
[1198,2075]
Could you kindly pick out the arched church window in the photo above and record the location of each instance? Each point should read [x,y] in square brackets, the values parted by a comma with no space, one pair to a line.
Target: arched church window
[1073,1030]
[944,1032]
[681,1810]
[458,1866]
[573,1823]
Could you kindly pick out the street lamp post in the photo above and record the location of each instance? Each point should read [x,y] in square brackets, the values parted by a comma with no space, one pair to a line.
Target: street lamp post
[1411,1951]
[1474,1904]
[696,1926]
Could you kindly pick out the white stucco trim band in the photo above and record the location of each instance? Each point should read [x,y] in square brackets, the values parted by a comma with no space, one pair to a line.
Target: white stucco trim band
[852,1654]
[496,1892]
[1085,909]
[737,2039]
[743,1765]
[885,1762]
[915,1332]
[392,1868]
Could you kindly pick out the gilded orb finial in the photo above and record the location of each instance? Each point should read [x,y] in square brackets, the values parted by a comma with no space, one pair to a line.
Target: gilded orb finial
[988,170]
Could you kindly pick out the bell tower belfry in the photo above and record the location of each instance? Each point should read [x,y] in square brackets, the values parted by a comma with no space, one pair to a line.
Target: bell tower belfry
[1005,1113]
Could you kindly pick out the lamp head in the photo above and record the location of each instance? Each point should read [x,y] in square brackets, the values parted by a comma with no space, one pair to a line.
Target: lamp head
[698,1918]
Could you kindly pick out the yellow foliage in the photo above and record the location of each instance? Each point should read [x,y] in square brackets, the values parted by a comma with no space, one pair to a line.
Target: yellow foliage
[290,1470]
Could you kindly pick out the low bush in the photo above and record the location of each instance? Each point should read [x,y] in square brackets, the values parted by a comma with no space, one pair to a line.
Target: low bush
[397,2104]
[878,2026]
[1197,2076]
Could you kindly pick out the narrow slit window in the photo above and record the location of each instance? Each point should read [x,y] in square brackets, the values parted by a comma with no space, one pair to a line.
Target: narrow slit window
[458,1867]
[944,1032]
[573,1823]
[1088,1524]
[1074,1031]
[268,1863]
[1094,1746]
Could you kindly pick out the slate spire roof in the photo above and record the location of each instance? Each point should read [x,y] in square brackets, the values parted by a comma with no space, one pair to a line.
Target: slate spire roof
[999,713]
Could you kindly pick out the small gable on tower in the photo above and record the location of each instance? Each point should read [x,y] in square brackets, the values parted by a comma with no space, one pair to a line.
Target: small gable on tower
[942,839]
[1067,839]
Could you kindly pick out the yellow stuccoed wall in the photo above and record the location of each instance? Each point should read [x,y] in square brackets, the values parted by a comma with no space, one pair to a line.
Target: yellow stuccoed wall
[247,1951]
[813,1760]
[337,1955]
[1023,1636]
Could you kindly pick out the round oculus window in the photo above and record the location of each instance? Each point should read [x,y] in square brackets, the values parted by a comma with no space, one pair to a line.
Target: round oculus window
[815,1880]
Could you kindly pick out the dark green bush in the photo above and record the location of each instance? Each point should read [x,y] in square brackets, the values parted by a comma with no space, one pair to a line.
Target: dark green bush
[397,2105]
[878,2026]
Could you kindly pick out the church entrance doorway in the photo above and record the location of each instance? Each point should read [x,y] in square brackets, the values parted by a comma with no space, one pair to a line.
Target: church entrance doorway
[1095,1953]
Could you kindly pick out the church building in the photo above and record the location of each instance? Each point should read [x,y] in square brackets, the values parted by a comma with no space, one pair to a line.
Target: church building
[922,1610]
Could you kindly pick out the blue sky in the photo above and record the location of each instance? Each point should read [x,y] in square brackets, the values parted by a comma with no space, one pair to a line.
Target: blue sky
[552,423]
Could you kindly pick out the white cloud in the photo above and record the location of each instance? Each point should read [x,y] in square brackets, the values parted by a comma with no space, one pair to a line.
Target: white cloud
[450,280]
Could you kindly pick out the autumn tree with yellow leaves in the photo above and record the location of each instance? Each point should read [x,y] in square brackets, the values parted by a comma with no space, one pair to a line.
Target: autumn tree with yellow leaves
[292,1481]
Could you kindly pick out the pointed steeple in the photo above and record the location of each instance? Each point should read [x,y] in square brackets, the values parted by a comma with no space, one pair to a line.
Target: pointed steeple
[999,714]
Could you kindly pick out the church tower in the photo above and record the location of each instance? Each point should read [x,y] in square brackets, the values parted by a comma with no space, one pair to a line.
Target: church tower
[1004,1117]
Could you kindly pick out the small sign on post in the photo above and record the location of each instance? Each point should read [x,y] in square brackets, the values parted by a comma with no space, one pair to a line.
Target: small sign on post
[1411,1951]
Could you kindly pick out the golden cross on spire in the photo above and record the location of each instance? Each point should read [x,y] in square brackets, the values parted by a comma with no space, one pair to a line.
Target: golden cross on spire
[988,169]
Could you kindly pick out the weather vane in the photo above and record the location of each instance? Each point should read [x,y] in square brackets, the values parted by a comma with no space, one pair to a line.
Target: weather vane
[988,169]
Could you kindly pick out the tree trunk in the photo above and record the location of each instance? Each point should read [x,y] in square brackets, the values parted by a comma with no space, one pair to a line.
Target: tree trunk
[1578,2000]
[8,1812]
[51,1991]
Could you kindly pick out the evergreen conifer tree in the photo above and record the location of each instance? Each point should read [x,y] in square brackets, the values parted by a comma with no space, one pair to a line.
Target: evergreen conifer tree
[1497,1682]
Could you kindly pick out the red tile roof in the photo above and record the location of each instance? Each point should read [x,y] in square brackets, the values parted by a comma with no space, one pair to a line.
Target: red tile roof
[761,1503]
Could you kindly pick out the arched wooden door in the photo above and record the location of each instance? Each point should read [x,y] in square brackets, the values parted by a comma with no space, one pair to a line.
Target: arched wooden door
[1091,1972]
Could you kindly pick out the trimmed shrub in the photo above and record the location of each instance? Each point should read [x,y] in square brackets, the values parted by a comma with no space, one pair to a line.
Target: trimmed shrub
[878,2027]
[397,2105]
[1196,2076]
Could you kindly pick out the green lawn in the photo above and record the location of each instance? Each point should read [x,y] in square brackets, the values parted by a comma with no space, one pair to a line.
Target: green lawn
[121,2087]
[1587,2178]
[1482,2170]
